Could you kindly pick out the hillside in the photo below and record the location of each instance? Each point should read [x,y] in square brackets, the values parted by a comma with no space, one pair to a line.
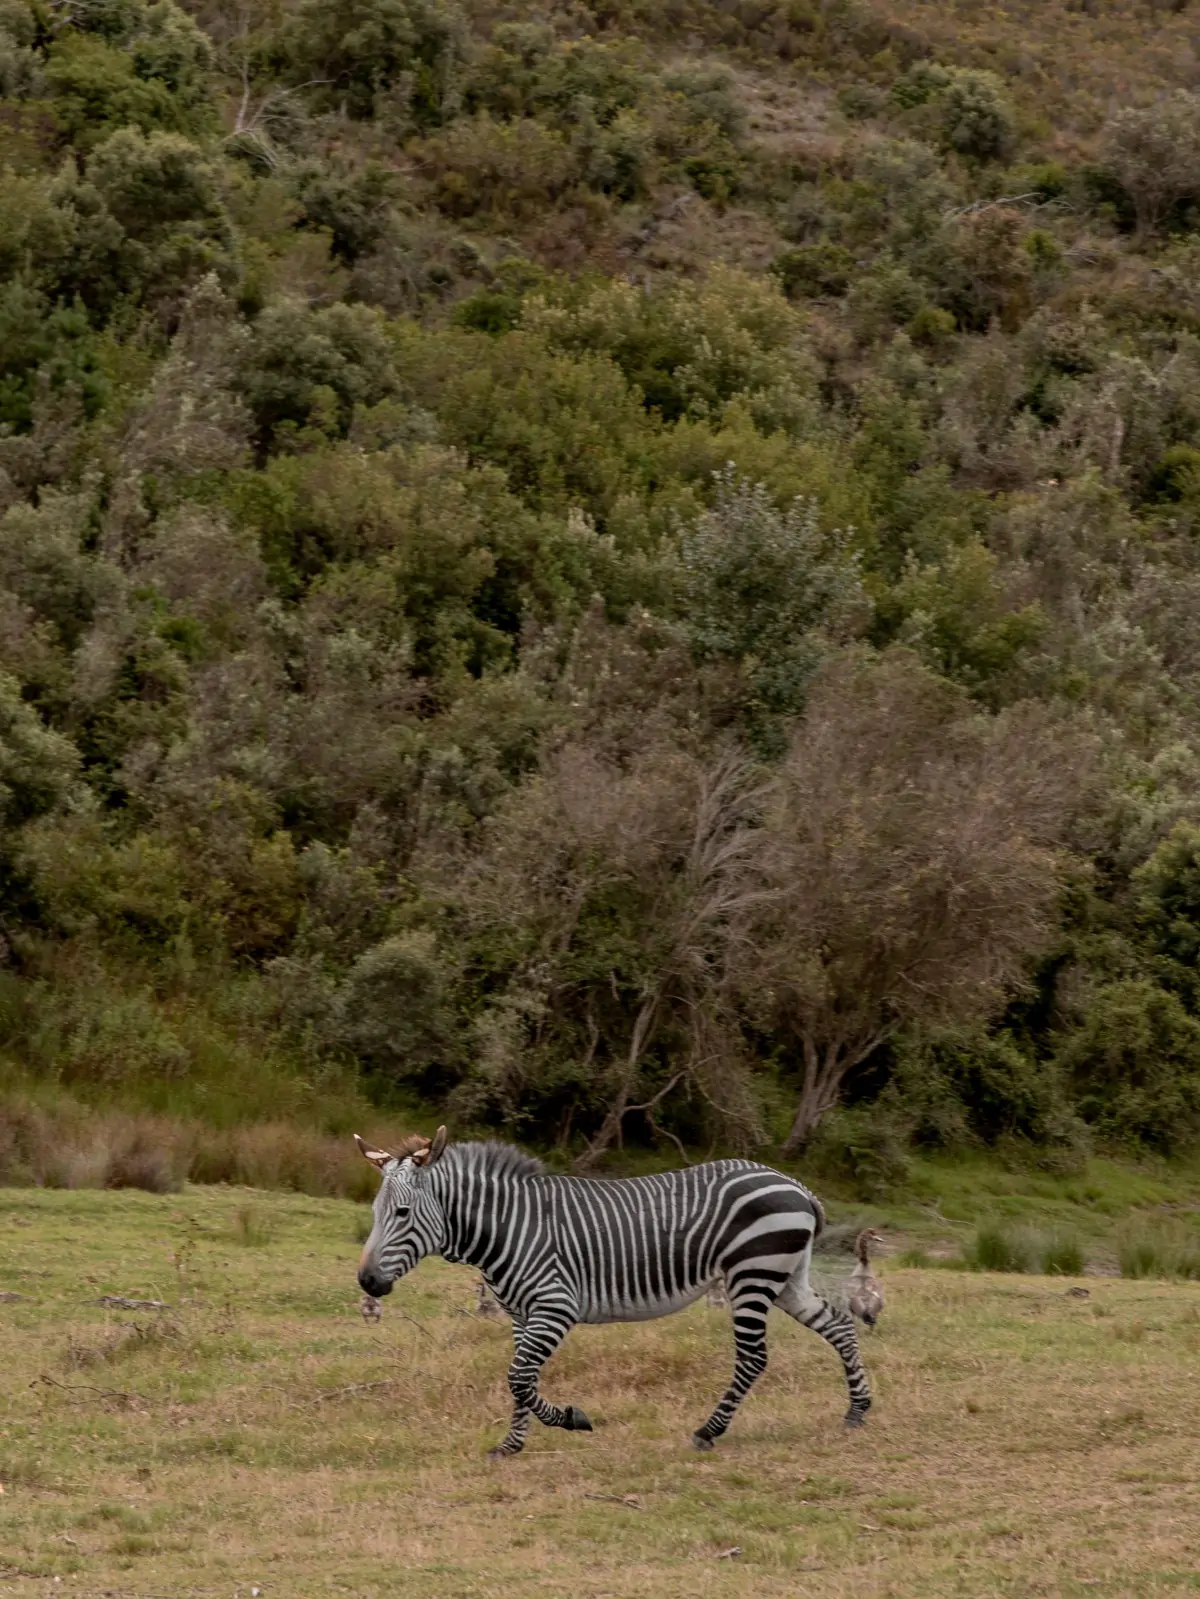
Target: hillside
[626,575]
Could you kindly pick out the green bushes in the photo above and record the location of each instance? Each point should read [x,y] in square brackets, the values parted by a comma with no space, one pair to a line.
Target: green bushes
[967,1090]
[968,109]
[309,369]
[1134,1066]
[1063,1256]
[386,57]
[768,590]
[37,766]
[865,1150]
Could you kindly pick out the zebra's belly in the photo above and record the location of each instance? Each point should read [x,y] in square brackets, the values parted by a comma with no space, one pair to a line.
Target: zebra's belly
[601,1311]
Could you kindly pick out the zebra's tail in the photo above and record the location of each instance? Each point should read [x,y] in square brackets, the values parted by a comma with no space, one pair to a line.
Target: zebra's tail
[818,1215]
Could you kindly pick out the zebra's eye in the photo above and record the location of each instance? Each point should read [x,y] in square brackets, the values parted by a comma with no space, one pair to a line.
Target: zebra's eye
[402,1210]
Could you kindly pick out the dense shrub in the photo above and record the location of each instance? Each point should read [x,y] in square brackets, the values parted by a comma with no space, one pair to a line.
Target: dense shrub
[975,116]
[1134,1065]
[1153,153]
[377,56]
[864,1150]
[313,367]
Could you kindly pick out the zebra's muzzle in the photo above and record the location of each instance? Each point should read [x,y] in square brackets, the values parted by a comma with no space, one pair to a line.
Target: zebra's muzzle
[372,1284]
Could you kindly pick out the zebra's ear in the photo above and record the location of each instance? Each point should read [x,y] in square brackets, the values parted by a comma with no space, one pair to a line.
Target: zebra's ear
[435,1151]
[377,1157]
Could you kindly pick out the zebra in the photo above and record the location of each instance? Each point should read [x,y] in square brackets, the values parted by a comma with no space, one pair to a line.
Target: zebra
[556,1251]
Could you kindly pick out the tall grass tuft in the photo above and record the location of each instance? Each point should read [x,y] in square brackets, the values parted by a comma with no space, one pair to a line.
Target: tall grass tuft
[1062,1256]
[251,1227]
[1164,1249]
[997,1249]
[1026,1249]
[914,1257]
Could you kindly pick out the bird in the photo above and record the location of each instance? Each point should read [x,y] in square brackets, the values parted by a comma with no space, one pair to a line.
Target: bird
[370,1307]
[717,1294]
[864,1291]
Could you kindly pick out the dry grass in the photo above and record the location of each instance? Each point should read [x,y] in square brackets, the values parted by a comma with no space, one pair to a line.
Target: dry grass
[258,1434]
[65,1143]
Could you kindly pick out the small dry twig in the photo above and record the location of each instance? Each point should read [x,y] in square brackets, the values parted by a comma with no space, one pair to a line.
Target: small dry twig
[627,1500]
[122,1395]
[352,1388]
[988,205]
[412,1320]
[120,1302]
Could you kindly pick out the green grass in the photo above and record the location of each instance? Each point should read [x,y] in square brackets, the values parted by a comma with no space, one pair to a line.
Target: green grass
[1041,1214]
[258,1433]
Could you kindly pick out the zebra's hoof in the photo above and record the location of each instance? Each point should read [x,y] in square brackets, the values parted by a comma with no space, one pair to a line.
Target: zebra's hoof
[576,1420]
[703,1444]
[855,1417]
[499,1453]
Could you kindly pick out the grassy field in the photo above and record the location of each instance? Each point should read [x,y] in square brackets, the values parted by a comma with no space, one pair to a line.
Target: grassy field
[257,1437]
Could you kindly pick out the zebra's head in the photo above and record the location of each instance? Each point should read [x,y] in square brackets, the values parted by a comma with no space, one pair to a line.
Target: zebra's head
[408,1217]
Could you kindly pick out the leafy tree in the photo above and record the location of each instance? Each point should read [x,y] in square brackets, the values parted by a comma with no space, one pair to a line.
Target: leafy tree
[163,192]
[134,64]
[39,772]
[603,909]
[37,766]
[768,591]
[907,863]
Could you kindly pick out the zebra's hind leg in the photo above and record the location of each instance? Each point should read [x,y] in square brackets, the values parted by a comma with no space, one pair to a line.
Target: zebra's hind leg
[750,1361]
[535,1342]
[836,1327]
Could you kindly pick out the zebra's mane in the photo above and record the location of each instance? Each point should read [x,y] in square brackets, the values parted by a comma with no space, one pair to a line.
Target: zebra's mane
[499,1160]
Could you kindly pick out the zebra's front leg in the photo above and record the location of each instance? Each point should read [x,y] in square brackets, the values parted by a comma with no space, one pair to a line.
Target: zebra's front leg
[534,1343]
[750,1361]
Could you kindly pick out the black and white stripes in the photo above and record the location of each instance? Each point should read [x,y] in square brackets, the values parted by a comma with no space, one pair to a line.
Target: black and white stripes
[562,1250]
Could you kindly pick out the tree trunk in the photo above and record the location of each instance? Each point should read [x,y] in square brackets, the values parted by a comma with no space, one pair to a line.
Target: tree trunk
[613,1122]
[818,1093]
[822,1086]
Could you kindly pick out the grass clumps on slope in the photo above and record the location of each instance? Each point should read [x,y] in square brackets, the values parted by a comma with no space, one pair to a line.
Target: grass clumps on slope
[997,1247]
[1162,1248]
